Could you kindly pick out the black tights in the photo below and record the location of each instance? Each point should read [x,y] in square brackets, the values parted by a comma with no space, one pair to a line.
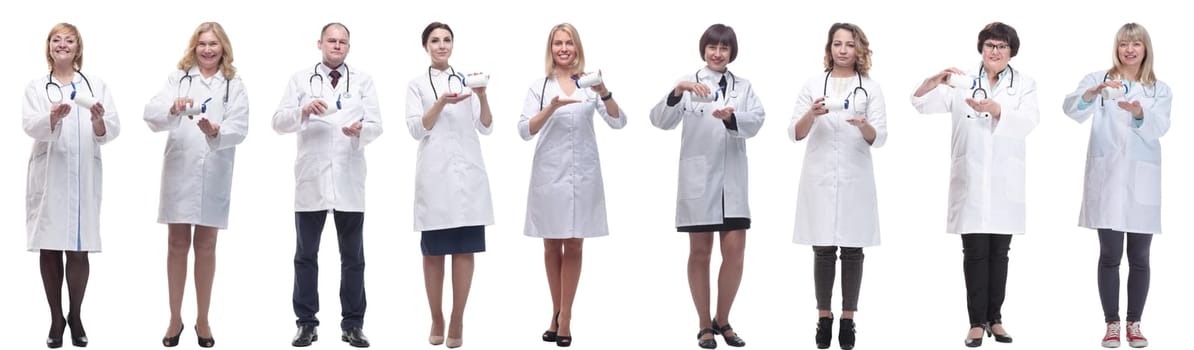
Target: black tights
[77,269]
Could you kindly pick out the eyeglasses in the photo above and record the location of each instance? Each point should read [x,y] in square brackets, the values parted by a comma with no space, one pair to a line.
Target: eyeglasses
[1000,47]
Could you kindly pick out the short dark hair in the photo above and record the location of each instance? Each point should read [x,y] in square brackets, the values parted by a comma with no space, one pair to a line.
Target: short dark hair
[719,34]
[999,31]
[329,25]
[434,26]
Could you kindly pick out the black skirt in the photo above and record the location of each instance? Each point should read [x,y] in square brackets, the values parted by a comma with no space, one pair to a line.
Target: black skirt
[726,225]
[457,240]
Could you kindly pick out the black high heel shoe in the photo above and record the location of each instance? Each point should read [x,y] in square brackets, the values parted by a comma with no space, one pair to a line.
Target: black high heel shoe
[549,336]
[731,340]
[54,340]
[845,335]
[975,342]
[710,343]
[1001,338]
[203,342]
[78,336]
[824,332]
[170,342]
[562,341]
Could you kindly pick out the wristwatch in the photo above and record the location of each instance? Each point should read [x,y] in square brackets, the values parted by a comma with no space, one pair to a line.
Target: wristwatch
[607,96]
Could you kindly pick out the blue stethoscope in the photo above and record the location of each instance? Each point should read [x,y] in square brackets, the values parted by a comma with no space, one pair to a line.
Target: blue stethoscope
[459,78]
[190,79]
[1127,86]
[853,93]
[543,90]
[57,89]
[977,87]
[347,84]
[733,83]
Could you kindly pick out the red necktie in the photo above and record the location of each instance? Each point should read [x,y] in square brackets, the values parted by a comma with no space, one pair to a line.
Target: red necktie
[335,74]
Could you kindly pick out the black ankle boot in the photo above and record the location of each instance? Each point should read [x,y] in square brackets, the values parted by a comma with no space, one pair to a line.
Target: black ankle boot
[845,335]
[824,332]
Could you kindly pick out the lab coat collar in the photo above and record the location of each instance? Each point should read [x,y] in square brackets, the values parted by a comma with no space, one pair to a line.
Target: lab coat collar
[713,75]
[194,71]
[435,73]
[324,69]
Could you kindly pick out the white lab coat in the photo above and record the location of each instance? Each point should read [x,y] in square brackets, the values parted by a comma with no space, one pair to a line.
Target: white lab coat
[451,184]
[1123,162]
[567,196]
[197,169]
[837,204]
[65,176]
[986,180]
[329,167]
[712,183]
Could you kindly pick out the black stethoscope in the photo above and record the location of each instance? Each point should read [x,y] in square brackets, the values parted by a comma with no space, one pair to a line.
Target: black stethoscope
[978,83]
[733,83]
[58,88]
[853,93]
[190,79]
[347,83]
[460,79]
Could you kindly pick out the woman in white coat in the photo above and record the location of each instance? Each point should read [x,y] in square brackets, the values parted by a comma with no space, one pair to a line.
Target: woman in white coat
[1122,195]
[842,115]
[566,203]
[204,107]
[992,113]
[719,111]
[452,199]
[65,179]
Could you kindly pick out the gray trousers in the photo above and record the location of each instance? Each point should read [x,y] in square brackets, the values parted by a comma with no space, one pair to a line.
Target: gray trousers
[1111,252]
[824,269]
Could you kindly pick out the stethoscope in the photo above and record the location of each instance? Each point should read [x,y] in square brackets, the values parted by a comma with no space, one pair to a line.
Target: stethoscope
[542,90]
[460,79]
[52,86]
[732,83]
[347,83]
[977,88]
[1107,76]
[190,79]
[853,93]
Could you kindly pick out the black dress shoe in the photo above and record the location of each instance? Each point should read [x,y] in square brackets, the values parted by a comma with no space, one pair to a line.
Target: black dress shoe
[975,342]
[204,342]
[550,336]
[170,342]
[845,334]
[731,340]
[54,340]
[824,332]
[78,336]
[305,336]
[355,337]
[710,343]
[1001,338]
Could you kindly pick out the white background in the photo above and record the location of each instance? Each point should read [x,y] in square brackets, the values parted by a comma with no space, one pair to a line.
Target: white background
[633,291]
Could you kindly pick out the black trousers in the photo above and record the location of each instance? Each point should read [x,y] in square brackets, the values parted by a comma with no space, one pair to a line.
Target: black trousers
[1111,252]
[824,266]
[352,267]
[984,264]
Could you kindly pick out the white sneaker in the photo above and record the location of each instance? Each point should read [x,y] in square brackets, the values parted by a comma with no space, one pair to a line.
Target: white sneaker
[1111,338]
[1135,338]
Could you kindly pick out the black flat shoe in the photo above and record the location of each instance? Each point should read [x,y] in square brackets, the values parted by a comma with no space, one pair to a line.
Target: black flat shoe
[54,340]
[550,336]
[824,332]
[1000,338]
[204,342]
[731,340]
[355,337]
[845,335]
[305,336]
[170,342]
[710,343]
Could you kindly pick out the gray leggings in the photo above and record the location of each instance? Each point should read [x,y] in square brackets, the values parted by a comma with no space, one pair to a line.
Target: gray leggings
[1111,252]
[824,261]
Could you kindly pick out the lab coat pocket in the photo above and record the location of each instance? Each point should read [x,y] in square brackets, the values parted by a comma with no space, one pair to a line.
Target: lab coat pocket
[1146,187]
[692,178]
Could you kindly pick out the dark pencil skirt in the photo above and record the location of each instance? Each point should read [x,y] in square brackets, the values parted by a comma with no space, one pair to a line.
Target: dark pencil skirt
[457,240]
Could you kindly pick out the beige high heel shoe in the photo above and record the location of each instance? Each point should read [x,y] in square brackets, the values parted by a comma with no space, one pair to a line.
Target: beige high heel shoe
[435,339]
[454,343]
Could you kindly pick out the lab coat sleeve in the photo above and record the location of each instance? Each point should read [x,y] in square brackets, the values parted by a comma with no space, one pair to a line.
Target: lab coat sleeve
[1072,105]
[667,117]
[235,125]
[371,126]
[157,111]
[1156,117]
[804,102]
[938,100]
[35,114]
[288,117]
[616,123]
[876,115]
[1018,122]
[750,118]
[481,128]
[530,107]
[111,118]
[415,112]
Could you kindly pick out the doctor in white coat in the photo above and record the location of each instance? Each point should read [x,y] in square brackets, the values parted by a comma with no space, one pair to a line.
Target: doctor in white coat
[986,185]
[452,199]
[65,178]
[197,166]
[837,205]
[1122,195]
[333,109]
[566,203]
[719,111]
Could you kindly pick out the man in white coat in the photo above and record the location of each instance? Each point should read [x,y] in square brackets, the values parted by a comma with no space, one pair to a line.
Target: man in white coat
[334,111]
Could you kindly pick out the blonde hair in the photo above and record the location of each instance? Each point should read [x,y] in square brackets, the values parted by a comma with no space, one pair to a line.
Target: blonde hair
[189,59]
[862,48]
[68,29]
[1134,32]
[578,64]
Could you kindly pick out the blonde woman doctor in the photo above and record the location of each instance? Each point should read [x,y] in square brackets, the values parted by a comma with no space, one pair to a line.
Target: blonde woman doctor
[837,205]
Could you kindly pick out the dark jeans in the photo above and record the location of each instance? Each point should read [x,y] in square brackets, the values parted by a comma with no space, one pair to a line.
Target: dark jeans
[1111,252]
[985,267]
[824,261]
[352,267]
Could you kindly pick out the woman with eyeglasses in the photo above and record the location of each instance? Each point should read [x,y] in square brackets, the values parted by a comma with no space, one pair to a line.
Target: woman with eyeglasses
[1122,192]
[993,110]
